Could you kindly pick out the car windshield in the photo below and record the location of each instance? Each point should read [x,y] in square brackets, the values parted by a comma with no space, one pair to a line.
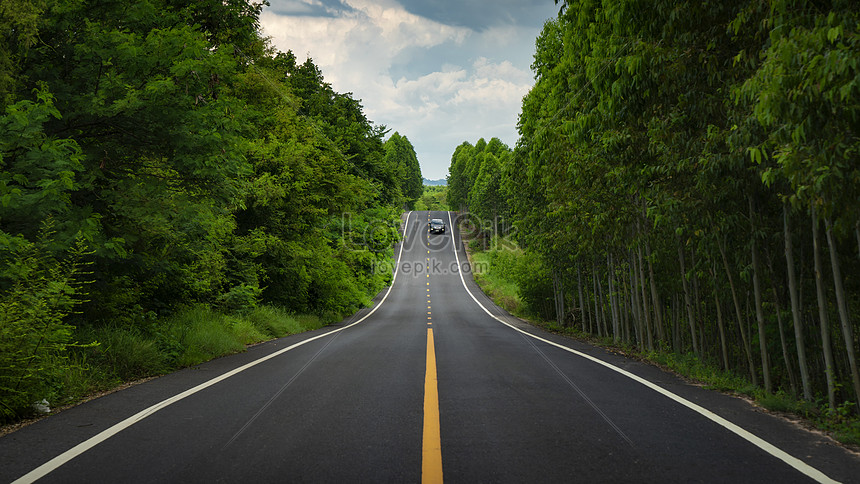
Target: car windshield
[437,221]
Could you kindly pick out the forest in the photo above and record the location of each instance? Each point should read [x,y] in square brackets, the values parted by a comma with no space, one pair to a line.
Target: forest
[687,180]
[163,163]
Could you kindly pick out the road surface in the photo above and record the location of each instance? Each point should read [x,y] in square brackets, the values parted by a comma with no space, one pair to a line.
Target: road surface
[432,383]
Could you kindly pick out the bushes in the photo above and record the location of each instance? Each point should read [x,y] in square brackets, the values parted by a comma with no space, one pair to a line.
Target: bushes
[527,274]
[194,177]
[516,280]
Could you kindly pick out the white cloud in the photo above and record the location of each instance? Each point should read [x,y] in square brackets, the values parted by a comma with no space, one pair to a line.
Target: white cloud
[370,34]
[455,84]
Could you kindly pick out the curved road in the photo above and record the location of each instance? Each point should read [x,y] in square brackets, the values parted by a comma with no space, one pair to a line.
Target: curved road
[434,383]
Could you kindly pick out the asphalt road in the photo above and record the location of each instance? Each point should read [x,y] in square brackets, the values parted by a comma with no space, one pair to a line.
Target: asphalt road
[433,382]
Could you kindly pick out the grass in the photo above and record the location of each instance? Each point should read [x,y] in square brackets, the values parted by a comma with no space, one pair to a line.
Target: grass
[203,334]
[503,292]
[112,356]
[275,322]
[692,367]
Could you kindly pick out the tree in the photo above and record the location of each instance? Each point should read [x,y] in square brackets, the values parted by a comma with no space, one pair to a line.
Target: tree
[663,154]
[401,157]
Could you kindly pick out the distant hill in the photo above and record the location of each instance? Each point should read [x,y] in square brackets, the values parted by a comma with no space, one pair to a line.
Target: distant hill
[442,182]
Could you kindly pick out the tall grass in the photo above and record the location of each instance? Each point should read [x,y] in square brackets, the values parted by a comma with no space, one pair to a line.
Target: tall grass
[502,291]
[125,352]
[274,322]
[189,337]
[203,334]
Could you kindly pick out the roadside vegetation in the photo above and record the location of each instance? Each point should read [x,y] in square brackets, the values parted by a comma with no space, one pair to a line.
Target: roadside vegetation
[173,188]
[434,197]
[189,337]
[506,273]
[686,185]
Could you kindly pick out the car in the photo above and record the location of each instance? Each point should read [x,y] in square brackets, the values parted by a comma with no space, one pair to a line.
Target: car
[437,226]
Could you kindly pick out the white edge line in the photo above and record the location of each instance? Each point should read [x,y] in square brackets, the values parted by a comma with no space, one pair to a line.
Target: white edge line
[88,444]
[771,449]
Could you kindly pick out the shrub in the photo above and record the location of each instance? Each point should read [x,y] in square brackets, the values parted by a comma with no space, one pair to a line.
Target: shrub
[34,335]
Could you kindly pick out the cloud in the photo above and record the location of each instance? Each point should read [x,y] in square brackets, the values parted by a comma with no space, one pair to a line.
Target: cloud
[480,15]
[436,83]
[369,33]
[314,8]
[447,107]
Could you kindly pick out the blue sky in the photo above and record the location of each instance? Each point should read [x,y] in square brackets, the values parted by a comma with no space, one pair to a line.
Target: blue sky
[439,72]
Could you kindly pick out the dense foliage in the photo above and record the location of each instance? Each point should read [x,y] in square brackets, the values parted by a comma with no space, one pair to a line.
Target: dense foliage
[688,174]
[434,198]
[400,154]
[159,154]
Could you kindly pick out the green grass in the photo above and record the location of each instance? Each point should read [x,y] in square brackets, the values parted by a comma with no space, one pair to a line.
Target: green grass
[692,367]
[274,322]
[503,292]
[247,333]
[111,355]
[203,334]
[127,353]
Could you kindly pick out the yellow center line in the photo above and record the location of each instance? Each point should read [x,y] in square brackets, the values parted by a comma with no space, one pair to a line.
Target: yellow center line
[431,465]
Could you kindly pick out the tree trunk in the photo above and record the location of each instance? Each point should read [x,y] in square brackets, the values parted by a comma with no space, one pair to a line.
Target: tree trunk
[795,308]
[676,325]
[603,322]
[759,311]
[857,234]
[847,331]
[688,303]
[613,298]
[596,298]
[558,297]
[720,324]
[697,304]
[579,288]
[746,344]
[789,365]
[655,296]
[623,309]
[648,342]
[628,314]
[637,302]
[822,314]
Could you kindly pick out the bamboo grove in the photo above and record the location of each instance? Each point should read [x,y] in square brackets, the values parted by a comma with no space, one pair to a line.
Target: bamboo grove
[161,154]
[689,175]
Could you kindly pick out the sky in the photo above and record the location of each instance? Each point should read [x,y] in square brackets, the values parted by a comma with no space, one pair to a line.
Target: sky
[439,72]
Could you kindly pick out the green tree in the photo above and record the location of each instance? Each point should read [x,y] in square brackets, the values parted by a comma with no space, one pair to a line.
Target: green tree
[664,161]
[400,154]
